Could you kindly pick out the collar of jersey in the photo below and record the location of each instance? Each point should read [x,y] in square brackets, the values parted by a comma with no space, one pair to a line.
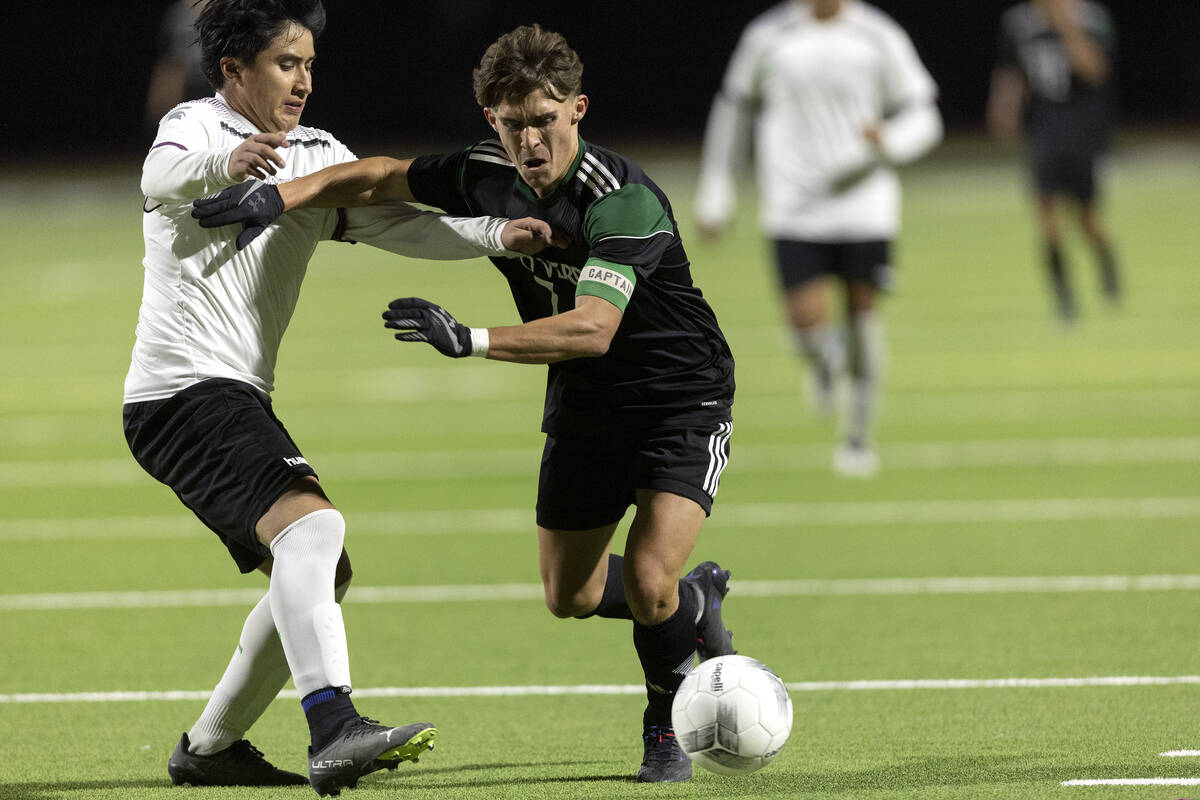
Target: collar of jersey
[524,189]
[250,126]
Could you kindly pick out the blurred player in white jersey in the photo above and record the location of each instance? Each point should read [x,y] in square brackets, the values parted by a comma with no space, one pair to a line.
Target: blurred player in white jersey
[839,96]
[1052,81]
[197,412]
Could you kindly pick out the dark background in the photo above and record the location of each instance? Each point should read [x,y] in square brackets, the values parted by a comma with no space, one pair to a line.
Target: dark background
[397,73]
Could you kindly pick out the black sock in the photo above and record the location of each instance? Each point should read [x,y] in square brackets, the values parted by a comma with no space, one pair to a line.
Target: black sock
[327,710]
[666,651]
[613,604]
[1056,268]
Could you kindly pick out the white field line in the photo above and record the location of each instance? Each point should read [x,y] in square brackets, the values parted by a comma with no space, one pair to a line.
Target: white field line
[739,516]
[1143,781]
[520,462]
[623,689]
[472,593]
[1135,782]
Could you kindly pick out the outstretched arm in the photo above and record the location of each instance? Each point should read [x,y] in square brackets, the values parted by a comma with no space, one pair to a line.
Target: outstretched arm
[365,182]
[389,224]
[585,331]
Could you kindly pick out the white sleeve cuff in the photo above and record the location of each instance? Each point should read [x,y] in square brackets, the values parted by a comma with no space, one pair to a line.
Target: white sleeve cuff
[480,341]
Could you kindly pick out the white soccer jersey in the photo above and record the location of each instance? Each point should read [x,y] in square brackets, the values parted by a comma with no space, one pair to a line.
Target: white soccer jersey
[814,85]
[212,311]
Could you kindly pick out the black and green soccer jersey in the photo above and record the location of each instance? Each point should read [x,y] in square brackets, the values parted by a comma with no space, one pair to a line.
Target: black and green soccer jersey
[668,360]
[1063,109]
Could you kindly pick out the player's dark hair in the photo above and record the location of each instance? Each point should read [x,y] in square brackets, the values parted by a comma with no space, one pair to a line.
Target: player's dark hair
[524,60]
[244,28]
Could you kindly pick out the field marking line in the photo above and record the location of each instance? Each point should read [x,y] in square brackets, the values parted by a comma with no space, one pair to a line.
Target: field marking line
[1135,782]
[470,593]
[499,462]
[1143,781]
[618,689]
[725,516]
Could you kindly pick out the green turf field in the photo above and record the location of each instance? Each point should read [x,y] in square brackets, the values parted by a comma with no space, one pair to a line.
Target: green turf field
[1032,532]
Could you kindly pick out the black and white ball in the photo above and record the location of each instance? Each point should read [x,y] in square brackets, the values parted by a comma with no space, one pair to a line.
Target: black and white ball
[732,715]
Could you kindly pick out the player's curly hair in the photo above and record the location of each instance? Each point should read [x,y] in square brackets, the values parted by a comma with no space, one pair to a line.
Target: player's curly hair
[243,28]
[524,60]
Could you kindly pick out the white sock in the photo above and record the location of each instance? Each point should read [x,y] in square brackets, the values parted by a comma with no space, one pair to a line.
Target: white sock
[869,351]
[302,600]
[822,346]
[256,673]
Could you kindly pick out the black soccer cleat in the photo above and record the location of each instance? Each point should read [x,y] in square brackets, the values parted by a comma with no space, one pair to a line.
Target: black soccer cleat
[240,764]
[712,638]
[663,760]
[362,747]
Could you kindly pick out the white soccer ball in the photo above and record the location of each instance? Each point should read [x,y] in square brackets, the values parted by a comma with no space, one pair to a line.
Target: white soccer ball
[732,715]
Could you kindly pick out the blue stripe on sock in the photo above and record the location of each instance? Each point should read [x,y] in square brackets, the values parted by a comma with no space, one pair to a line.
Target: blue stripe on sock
[319,696]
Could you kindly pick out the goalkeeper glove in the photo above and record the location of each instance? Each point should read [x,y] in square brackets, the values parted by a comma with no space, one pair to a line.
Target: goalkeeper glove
[422,321]
[254,204]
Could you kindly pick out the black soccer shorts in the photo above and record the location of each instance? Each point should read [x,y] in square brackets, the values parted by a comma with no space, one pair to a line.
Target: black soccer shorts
[588,481]
[1060,169]
[800,261]
[221,448]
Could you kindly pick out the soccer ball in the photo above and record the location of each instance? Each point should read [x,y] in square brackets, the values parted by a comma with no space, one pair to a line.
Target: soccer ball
[732,715]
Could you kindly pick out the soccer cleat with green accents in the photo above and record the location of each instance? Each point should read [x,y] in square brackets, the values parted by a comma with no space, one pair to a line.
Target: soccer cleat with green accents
[240,764]
[362,747]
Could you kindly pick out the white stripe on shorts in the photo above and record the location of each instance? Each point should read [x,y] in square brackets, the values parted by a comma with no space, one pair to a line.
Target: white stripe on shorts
[718,457]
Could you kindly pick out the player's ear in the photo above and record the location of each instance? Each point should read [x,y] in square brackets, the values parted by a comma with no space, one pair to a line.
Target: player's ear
[579,109]
[491,118]
[231,68]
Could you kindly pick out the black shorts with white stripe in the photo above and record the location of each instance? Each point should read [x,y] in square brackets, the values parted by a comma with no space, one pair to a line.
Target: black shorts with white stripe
[589,481]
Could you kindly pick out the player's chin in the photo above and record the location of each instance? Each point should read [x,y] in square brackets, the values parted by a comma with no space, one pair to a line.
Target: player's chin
[535,177]
[289,117]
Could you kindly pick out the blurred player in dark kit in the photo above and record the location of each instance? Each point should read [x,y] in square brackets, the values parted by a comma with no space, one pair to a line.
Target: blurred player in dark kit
[1053,82]
[178,74]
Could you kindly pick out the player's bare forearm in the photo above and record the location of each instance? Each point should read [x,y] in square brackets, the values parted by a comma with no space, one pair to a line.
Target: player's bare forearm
[1005,101]
[585,331]
[1087,59]
[356,183]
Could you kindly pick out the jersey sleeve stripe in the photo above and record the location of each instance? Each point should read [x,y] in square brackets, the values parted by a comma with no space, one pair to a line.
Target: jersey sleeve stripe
[647,236]
[591,183]
[602,175]
[490,159]
[591,159]
[492,148]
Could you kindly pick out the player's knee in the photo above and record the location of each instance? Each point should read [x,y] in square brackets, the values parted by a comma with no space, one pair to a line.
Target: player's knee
[318,534]
[569,605]
[653,602]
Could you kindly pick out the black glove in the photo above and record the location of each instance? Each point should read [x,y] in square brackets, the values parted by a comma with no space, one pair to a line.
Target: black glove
[254,204]
[422,321]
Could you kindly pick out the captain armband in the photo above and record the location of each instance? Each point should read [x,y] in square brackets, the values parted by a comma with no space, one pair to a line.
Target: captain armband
[606,280]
